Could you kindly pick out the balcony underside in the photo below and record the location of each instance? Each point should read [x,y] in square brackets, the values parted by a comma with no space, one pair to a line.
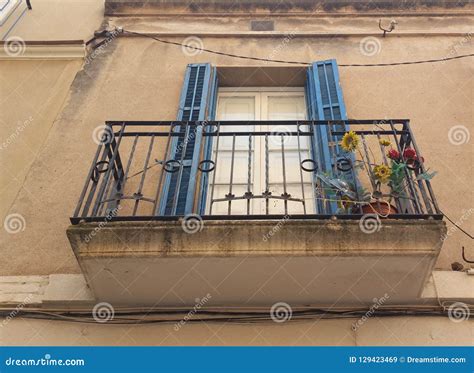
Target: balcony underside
[258,262]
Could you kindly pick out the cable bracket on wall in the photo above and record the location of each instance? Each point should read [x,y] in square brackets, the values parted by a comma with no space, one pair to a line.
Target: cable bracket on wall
[390,28]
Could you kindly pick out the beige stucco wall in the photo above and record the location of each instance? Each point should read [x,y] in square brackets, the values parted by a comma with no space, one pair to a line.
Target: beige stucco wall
[139,79]
[33,89]
[31,95]
[56,20]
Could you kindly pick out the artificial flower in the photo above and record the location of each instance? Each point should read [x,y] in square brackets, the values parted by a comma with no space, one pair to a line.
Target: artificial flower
[384,142]
[350,141]
[409,153]
[382,173]
[393,154]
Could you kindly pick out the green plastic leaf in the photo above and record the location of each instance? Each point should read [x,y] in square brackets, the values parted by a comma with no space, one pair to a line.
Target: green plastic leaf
[426,175]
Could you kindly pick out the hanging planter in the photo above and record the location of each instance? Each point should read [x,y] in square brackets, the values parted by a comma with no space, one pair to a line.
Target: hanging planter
[383,209]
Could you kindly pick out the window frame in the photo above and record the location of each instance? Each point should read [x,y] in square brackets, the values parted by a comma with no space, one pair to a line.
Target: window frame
[261,96]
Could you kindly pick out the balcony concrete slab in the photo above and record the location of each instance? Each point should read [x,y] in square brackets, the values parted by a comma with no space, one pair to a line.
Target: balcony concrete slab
[240,263]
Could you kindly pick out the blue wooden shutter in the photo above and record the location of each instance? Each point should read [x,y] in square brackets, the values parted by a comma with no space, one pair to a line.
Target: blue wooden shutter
[180,187]
[325,102]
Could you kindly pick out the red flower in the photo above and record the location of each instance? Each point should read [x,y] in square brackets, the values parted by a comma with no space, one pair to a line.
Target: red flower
[393,154]
[409,153]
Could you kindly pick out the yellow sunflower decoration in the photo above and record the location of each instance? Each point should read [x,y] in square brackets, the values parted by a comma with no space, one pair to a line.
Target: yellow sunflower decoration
[384,142]
[350,141]
[382,173]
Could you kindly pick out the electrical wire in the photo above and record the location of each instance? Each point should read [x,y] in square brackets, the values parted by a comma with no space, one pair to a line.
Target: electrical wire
[147,317]
[409,62]
[293,62]
[457,226]
[452,222]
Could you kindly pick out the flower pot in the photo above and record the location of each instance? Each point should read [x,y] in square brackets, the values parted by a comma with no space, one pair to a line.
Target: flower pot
[383,209]
[413,164]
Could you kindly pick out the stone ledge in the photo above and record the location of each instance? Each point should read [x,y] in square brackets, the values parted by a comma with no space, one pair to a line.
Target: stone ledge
[255,238]
[33,290]
[47,50]
[119,7]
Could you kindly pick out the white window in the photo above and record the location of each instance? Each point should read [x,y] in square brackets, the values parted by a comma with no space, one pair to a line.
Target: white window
[256,163]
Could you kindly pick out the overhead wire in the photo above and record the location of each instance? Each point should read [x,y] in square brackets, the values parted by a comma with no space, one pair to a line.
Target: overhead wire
[149,317]
[232,55]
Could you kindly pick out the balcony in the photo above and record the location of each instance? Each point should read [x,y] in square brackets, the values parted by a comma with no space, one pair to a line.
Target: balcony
[198,207]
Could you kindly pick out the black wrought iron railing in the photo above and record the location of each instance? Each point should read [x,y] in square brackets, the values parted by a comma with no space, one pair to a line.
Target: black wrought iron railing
[256,170]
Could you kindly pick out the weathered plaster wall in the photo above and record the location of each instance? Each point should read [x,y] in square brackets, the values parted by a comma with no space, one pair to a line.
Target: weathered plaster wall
[31,95]
[56,20]
[396,331]
[269,6]
[140,79]
[190,23]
